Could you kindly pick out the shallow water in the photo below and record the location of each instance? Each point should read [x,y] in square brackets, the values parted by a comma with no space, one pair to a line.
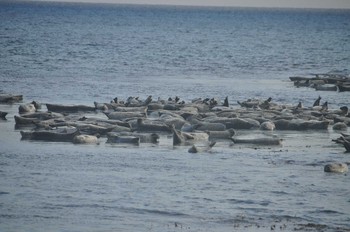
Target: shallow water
[67,187]
[77,53]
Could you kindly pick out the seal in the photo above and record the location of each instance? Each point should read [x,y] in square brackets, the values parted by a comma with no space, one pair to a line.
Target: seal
[183,138]
[9,98]
[56,135]
[259,141]
[69,108]
[195,149]
[135,101]
[237,123]
[317,102]
[115,138]
[340,126]
[268,125]
[124,115]
[26,108]
[255,103]
[144,137]
[209,126]
[345,140]
[300,124]
[336,167]
[151,127]
[3,115]
[85,139]
[20,121]
[227,134]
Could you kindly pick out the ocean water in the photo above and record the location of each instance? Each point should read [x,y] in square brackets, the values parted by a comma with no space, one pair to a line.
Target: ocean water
[81,53]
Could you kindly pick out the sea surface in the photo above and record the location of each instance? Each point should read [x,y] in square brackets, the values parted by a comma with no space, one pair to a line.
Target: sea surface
[75,53]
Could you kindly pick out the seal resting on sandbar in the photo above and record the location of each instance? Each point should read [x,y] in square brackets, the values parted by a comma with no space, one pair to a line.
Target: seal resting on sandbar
[69,108]
[124,115]
[268,125]
[336,167]
[183,138]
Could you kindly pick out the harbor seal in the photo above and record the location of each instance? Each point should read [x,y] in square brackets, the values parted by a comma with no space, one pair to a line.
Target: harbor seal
[183,138]
[56,135]
[340,126]
[85,139]
[259,141]
[27,108]
[9,98]
[115,138]
[268,125]
[336,167]
[69,108]
[226,134]
[3,115]
[195,149]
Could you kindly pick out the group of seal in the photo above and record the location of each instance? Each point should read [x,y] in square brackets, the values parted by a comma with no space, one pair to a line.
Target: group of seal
[323,82]
[199,121]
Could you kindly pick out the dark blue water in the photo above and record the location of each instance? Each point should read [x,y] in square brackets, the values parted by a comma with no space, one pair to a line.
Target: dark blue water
[119,50]
[80,53]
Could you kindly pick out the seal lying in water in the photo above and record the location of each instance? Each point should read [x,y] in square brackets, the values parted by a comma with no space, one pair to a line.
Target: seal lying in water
[259,141]
[29,108]
[69,108]
[56,135]
[3,115]
[345,140]
[115,138]
[336,167]
[9,98]
[150,127]
[195,149]
[85,139]
[227,134]
[144,137]
[20,121]
[300,124]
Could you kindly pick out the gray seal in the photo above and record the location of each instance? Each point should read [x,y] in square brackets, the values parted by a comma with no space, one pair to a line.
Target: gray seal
[336,167]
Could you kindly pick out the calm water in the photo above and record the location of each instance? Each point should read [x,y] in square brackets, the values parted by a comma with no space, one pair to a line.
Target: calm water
[80,53]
